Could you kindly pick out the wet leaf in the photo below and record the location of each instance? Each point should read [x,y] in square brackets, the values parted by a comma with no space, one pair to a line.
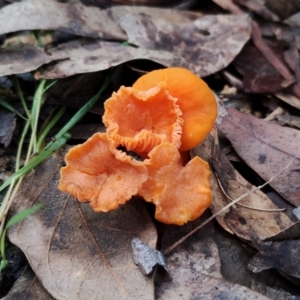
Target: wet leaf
[8,125]
[73,18]
[283,256]
[267,148]
[75,251]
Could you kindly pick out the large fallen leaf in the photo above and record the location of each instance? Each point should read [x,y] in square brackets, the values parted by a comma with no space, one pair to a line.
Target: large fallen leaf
[73,18]
[267,148]
[205,46]
[166,36]
[76,252]
[83,57]
[174,39]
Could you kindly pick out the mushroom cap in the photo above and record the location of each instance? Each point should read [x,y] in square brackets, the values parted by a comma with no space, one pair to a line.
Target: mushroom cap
[195,99]
[140,120]
[180,194]
[97,172]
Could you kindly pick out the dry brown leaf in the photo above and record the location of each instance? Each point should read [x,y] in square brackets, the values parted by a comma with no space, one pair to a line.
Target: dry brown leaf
[204,45]
[292,232]
[23,58]
[28,287]
[83,57]
[72,18]
[76,252]
[267,148]
[242,220]
[205,151]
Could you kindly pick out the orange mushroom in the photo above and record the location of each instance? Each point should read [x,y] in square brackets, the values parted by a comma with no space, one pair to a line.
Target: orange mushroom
[195,100]
[181,194]
[97,172]
[140,120]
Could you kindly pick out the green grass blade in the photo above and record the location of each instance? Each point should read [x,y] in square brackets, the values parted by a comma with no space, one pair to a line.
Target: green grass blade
[22,215]
[10,108]
[49,126]
[35,111]
[14,220]
[53,146]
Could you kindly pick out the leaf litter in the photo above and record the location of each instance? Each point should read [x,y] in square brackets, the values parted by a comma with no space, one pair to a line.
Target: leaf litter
[75,251]
[155,38]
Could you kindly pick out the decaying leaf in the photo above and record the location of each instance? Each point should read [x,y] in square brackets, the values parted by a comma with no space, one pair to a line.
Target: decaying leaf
[8,125]
[28,287]
[195,267]
[283,256]
[73,18]
[170,44]
[206,287]
[267,148]
[235,256]
[20,59]
[76,252]
[205,151]
[259,76]
[198,41]
[168,37]
[242,220]
[292,232]
[257,213]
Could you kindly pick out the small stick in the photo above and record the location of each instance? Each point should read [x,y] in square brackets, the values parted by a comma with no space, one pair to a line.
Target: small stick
[243,205]
[169,249]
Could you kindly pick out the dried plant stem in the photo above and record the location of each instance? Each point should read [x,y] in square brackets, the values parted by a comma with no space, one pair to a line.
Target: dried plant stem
[169,249]
[243,205]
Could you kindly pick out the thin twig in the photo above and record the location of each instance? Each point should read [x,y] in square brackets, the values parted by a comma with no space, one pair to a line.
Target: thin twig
[243,205]
[169,249]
